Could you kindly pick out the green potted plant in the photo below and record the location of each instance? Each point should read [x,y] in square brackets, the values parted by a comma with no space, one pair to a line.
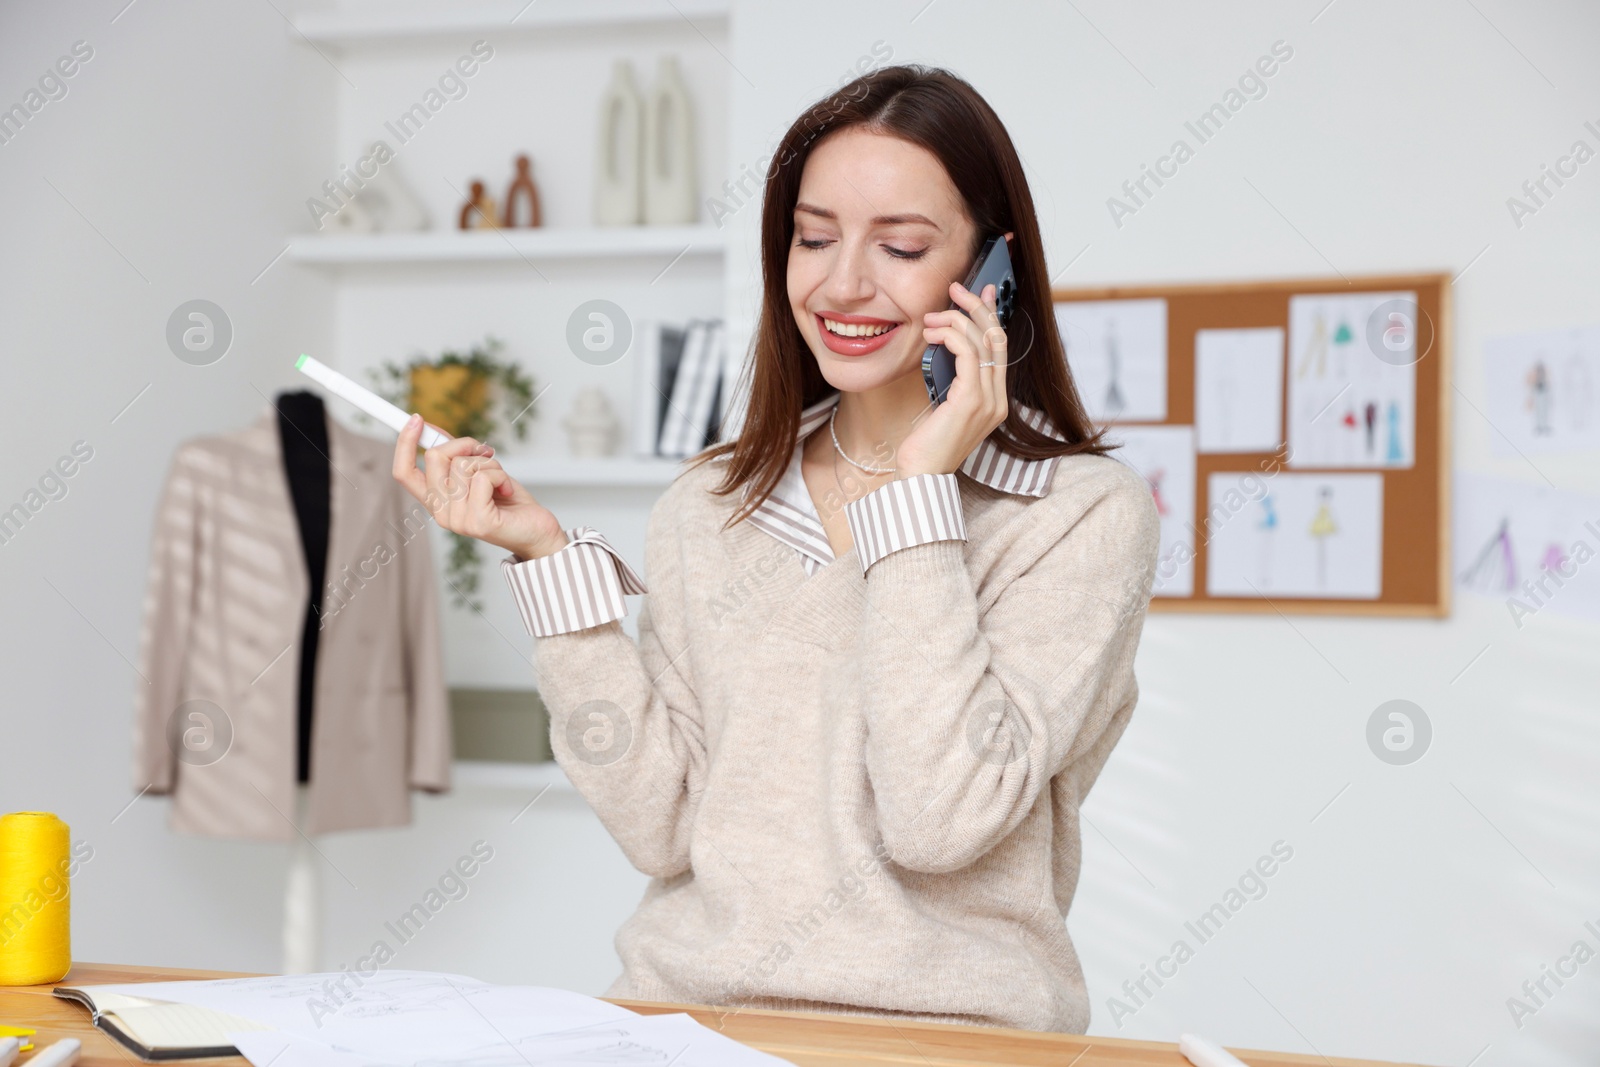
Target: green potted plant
[465,395]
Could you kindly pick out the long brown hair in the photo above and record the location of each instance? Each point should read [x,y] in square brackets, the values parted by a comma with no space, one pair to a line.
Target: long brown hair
[933,108]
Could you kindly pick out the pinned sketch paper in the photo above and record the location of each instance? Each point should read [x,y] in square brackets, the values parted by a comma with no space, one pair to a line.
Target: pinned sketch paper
[1544,391]
[1295,535]
[1238,390]
[1528,545]
[1164,455]
[1117,350]
[1352,380]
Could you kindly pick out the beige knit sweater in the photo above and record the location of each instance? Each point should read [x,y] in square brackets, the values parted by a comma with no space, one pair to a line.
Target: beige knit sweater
[859,793]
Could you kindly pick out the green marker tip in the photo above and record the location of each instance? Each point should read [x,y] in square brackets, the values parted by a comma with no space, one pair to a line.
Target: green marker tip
[301,362]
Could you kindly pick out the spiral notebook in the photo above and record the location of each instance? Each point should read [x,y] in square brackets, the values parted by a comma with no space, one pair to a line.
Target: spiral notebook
[160,1030]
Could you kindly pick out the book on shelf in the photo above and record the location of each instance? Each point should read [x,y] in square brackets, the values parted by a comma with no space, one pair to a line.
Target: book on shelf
[687,419]
[685,388]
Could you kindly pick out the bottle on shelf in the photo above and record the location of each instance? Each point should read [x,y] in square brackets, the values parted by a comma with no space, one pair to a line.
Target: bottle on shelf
[669,171]
[619,171]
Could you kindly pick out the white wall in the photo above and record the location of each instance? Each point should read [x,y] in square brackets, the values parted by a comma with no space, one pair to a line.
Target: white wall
[164,175]
[1415,903]
[1389,142]
[187,146]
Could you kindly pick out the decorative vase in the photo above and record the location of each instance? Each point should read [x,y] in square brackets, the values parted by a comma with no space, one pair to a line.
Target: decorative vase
[618,169]
[669,170]
[592,426]
[391,203]
[479,212]
[448,396]
[522,191]
[353,217]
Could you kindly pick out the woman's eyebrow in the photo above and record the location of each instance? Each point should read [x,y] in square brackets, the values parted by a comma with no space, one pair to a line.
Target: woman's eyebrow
[879,220]
[909,216]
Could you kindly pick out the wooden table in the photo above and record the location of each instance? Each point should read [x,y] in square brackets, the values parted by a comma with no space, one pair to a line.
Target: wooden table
[810,1040]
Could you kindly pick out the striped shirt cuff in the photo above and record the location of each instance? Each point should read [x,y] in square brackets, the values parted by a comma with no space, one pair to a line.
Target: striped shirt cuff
[573,589]
[906,512]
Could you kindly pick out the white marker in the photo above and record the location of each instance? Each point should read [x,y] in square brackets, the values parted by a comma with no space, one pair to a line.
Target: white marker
[8,1050]
[365,399]
[61,1054]
[1202,1053]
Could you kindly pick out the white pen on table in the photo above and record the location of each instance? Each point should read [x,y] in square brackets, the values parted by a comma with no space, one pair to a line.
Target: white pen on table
[1202,1053]
[61,1054]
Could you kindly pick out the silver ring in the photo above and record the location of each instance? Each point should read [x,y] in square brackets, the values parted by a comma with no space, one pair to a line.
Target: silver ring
[991,363]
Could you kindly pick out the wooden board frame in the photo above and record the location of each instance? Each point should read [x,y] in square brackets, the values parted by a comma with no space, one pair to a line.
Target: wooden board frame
[1416,575]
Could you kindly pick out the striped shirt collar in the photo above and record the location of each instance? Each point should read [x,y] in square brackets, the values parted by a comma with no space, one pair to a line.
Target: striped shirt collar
[790,515]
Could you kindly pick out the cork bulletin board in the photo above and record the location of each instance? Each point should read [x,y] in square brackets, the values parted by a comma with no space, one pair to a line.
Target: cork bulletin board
[1319,485]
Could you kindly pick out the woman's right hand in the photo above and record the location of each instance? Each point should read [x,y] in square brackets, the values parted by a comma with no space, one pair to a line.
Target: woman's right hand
[467,491]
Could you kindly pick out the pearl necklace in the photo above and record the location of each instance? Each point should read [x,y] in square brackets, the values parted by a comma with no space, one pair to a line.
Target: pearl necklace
[840,449]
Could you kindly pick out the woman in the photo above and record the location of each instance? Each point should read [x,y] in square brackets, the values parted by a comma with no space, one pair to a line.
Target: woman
[872,688]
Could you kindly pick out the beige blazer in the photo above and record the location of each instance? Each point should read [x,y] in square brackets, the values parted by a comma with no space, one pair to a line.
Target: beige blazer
[222,626]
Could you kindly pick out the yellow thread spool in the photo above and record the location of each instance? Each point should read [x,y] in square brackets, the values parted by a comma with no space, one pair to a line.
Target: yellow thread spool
[35,899]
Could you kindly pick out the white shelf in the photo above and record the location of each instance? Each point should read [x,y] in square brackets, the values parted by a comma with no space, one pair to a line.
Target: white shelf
[354,26]
[611,472]
[507,246]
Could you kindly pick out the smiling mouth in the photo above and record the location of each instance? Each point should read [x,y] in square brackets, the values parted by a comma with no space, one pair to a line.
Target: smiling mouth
[861,336]
[856,329]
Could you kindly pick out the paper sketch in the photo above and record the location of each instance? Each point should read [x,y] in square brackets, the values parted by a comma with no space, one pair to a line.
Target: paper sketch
[423,1019]
[1352,380]
[1527,545]
[1238,389]
[1164,455]
[1117,350]
[670,1040]
[1493,568]
[1299,535]
[1538,379]
[1321,529]
[1544,391]
[1266,527]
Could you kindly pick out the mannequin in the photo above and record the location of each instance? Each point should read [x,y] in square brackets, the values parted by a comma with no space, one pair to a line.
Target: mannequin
[303,429]
[290,513]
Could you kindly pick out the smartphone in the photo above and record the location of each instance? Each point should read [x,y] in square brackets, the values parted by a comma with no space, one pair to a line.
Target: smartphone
[993,266]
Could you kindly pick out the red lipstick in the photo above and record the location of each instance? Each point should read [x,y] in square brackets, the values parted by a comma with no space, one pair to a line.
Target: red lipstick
[855,346]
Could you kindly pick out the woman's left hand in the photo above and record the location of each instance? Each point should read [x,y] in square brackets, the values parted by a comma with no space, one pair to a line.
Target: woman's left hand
[976,401]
